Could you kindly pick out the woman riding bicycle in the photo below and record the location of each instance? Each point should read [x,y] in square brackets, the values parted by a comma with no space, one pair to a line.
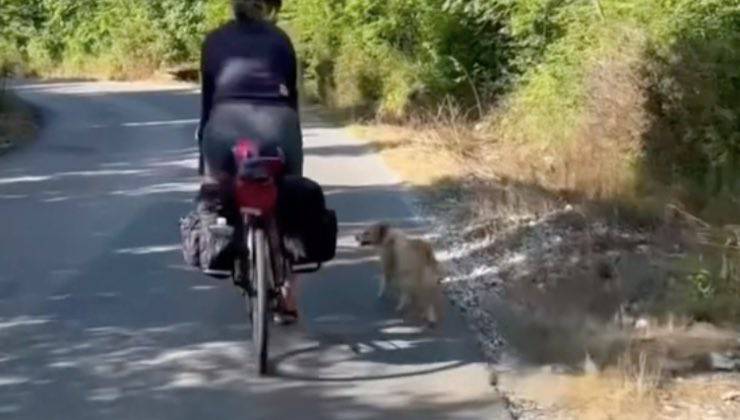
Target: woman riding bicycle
[249,90]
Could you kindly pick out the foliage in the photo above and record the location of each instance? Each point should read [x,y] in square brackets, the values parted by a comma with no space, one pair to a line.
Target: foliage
[654,85]
[656,81]
[389,51]
[711,290]
[113,38]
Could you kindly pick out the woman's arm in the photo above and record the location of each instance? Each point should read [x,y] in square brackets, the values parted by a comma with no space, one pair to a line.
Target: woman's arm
[207,89]
[293,78]
[290,61]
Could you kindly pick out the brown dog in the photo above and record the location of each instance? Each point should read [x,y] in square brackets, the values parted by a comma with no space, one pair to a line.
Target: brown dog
[408,264]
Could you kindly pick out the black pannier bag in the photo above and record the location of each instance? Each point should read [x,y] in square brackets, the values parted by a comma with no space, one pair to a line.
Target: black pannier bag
[190,233]
[206,245]
[309,228]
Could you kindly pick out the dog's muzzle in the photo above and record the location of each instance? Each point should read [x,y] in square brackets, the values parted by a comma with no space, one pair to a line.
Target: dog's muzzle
[362,241]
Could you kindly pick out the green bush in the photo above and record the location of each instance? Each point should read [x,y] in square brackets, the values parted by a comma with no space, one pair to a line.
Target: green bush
[384,52]
[113,38]
[556,71]
[686,60]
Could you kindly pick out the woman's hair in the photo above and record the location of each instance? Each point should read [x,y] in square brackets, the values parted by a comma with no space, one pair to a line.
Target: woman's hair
[256,9]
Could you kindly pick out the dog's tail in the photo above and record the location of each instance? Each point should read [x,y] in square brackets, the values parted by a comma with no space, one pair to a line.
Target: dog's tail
[428,253]
[439,270]
[436,298]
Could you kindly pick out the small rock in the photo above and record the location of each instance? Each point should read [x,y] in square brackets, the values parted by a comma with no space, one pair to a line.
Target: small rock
[493,378]
[732,396]
[721,362]
[556,369]
[670,408]
[614,255]
[642,324]
[643,249]
[589,366]
[604,270]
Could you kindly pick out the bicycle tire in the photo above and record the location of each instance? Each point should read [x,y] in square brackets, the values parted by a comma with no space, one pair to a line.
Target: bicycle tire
[261,300]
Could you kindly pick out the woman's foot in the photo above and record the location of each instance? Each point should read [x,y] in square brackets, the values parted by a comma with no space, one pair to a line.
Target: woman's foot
[287,312]
[285,317]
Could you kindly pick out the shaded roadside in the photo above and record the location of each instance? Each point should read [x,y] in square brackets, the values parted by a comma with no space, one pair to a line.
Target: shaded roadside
[19,120]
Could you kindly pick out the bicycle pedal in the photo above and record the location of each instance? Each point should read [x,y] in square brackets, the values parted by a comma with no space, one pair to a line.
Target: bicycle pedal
[285,319]
[220,274]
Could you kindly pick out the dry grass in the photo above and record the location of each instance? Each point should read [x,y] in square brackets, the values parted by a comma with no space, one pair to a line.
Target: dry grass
[610,395]
[605,152]
[103,69]
[640,386]
[586,397]
[415,154]
[641,381]
[598,161]
[594,155]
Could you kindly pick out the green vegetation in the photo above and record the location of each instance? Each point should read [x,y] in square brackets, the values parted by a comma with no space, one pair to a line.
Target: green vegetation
[650,89]
[653,83]
[107,38]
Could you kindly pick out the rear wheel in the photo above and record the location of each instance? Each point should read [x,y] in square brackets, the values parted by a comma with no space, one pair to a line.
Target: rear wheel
[260,305]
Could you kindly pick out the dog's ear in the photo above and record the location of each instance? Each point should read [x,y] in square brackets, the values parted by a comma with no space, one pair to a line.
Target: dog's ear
[383,229]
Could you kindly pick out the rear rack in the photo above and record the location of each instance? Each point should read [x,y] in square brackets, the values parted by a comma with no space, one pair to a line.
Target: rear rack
[306,268]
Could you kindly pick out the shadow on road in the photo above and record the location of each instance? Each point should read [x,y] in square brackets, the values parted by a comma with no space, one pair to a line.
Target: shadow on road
[133,331]
[100,318]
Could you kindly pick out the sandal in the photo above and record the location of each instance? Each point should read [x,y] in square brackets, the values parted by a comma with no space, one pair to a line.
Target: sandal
[285,317]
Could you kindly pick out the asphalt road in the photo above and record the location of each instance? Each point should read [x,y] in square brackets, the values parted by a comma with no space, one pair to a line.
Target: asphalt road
[99,317]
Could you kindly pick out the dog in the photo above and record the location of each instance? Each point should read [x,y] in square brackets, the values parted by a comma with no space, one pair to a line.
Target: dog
[410,266]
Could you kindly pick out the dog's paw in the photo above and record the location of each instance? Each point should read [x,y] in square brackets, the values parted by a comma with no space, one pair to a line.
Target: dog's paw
[431,318]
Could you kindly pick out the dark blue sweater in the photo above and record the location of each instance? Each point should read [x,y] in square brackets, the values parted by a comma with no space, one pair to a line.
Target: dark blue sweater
[248,61]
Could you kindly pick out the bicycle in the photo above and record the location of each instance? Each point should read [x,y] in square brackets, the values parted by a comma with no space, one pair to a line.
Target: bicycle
[261,267]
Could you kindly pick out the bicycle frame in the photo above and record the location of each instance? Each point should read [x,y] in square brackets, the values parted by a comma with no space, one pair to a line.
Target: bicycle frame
[280,269]
[255,192]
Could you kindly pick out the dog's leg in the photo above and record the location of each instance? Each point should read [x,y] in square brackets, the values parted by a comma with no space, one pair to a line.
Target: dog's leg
[403,301]
[431,316]
[383,286]
[388,261]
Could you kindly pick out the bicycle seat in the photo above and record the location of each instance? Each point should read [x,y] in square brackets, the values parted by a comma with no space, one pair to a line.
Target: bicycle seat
[258,162]
[257,167]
